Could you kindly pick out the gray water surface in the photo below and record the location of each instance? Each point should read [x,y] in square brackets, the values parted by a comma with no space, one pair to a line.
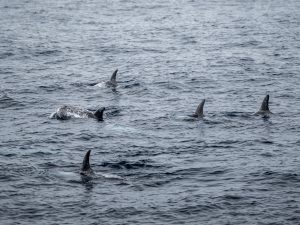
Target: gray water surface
[229,168]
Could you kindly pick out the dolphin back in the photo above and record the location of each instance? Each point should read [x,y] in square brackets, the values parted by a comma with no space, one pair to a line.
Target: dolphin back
[61,113]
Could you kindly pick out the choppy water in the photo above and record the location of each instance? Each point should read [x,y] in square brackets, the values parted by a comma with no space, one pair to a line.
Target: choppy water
[229,168]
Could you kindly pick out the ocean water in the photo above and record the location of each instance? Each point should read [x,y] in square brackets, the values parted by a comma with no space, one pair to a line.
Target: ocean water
[155,164]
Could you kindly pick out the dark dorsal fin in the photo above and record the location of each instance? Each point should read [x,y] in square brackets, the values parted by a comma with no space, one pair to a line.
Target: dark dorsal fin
[86,162]
[114,76]
[199,110]
[99,113]
[265,104]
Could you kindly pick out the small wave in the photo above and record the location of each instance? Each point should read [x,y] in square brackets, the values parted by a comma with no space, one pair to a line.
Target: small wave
[266,142]
[5,97]
[12,172]
[238,114]
[233,197]
[172,85]
[47,52]
[277,178]
[8,154]
[136,84]
[129,165]
[267,154]
[194,209]
[81,84]
[6,55]
[121,129]
[252,43]
[6,101]
[51,88]
[113,111]
[110,176]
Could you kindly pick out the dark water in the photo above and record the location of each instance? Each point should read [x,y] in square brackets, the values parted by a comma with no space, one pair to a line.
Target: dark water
[229,168]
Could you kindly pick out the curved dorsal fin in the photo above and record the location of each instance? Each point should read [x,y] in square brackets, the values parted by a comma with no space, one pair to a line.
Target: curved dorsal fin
[114,76]
[265,104]
[199,110]
[86,163]
[99,113]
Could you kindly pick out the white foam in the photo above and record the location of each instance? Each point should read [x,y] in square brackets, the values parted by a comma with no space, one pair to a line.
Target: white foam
[101,85]
[110,176]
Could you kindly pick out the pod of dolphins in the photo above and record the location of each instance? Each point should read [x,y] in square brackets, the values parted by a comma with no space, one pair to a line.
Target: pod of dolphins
[66,112]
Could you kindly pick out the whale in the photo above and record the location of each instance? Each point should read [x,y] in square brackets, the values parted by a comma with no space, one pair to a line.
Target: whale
[67,112]
[264,108]
[199,111]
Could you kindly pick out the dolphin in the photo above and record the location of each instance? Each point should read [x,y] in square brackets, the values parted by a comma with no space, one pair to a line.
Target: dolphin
[87,172]
[113,79]
[66,112]
[264,108]
[111,83]
[86,169]
[199,110]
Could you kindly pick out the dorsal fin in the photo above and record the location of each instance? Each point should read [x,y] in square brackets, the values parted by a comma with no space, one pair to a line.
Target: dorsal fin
[86,168]
[199,110]
[114,76]
[99,113]
[265,104]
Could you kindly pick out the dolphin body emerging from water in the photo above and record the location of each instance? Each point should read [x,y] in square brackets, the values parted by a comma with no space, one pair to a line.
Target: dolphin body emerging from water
[87,173]
[66,112]
[86,169]
[199,110]
[113,80]
[111,83]
[264,108]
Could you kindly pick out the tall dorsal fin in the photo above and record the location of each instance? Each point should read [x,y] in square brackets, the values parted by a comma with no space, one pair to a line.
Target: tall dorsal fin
[199,110]
[114,76]
[99,113]
[86,168]
[265,104]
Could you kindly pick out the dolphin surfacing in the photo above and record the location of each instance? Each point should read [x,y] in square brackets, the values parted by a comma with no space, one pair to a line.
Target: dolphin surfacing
[86,169]
[199,111]
[111,83]
[66,112]
[88,174]
[113,79]
[264,108]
